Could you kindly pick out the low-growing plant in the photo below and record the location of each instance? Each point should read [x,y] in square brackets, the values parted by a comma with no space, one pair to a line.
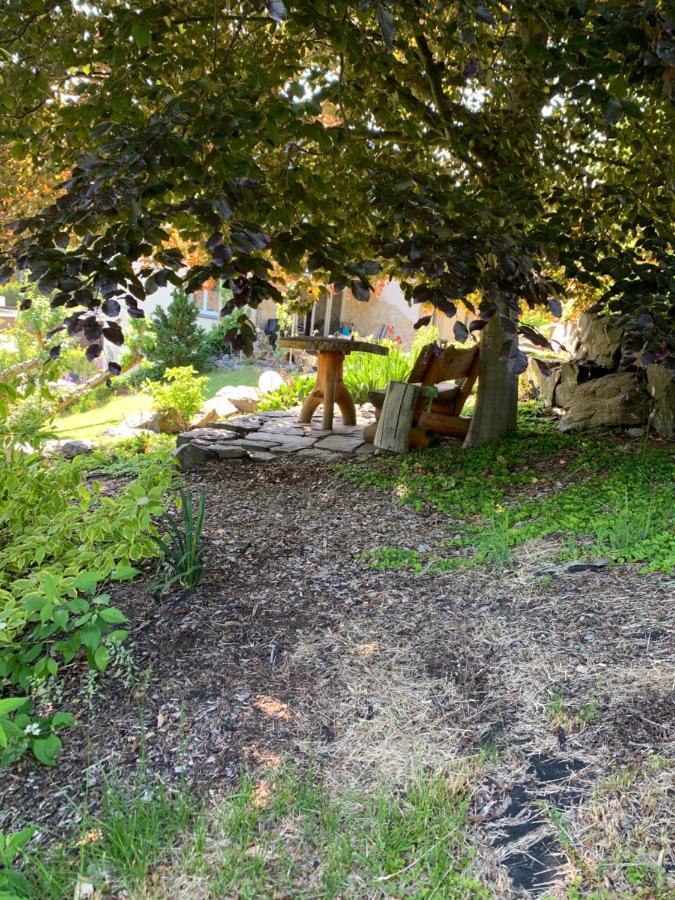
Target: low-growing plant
[21,730]
[183,551]
[14,885]
[180,389]
[134,828]
[617,500]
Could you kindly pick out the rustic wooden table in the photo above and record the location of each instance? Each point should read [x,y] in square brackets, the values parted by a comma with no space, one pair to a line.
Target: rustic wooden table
[329,388]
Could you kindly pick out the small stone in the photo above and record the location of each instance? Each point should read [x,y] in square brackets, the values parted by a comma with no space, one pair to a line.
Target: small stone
[591,565]
[261,456]
[634,432]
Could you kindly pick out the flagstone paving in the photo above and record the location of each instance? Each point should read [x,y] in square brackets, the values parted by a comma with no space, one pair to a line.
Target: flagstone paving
[263,437]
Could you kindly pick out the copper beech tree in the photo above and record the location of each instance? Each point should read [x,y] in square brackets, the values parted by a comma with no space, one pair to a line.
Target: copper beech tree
[472,149]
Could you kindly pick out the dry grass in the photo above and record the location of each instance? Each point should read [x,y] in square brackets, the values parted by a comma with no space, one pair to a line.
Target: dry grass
[390,718]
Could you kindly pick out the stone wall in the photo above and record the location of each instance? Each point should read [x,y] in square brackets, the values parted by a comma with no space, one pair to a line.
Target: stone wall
[591,390]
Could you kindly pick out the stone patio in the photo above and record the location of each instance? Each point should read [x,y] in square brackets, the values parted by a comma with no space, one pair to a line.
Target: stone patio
[263,437]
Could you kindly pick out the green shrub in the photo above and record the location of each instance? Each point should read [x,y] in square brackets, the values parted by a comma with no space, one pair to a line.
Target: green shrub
[59,540]
[178,339]
[288,395]
[217,340]
[180,389]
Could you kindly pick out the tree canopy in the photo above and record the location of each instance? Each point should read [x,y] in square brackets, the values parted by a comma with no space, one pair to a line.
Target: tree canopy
[484,152]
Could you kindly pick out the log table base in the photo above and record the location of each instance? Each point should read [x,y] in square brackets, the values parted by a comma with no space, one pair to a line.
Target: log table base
[330,388]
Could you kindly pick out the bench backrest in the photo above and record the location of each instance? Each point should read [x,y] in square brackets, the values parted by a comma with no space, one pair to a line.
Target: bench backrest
[452,364]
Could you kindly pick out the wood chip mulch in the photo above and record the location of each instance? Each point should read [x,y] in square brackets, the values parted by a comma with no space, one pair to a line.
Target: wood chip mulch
[292,646]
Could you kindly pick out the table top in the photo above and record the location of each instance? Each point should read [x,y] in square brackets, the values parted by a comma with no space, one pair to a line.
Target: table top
[331,345]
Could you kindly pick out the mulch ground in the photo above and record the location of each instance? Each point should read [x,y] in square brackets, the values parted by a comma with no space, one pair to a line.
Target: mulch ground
[292,646]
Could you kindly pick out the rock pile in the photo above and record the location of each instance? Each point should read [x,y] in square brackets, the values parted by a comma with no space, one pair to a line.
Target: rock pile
[591,391]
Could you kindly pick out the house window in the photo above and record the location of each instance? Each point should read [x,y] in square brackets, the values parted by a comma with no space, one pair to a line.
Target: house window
[208,302]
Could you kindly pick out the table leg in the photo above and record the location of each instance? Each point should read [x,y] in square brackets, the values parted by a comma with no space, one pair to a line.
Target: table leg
[331,365]
[310,404]
[329,390]
[346,403]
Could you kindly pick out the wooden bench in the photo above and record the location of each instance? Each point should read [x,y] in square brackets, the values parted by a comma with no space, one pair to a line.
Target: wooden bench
[440,414]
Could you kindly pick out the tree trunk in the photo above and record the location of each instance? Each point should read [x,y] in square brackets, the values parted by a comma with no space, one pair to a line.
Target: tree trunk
[497,401]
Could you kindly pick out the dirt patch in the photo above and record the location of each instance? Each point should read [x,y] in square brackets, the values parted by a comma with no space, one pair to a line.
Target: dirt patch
[292,646]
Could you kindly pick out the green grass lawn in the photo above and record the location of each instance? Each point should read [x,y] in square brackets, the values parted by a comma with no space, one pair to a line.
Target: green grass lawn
[94,423]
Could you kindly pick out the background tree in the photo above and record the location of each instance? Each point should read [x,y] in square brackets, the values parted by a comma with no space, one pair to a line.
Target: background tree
[466,147]
[178,339]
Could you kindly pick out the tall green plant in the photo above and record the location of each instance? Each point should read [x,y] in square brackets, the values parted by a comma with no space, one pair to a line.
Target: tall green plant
[182,548]
[178,339]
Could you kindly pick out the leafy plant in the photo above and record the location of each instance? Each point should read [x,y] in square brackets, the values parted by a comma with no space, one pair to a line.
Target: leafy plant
[13,885]
[178,341]
[59,540]
[288,395]
[24,731]
[364,372]
[179,389]
[183,549]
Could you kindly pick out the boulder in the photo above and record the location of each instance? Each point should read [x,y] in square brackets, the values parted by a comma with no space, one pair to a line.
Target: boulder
[68,449]
[205,417]
[599,340]
[661,387]
[610,401]
[543,385]
[169,421]
[197,452]
[572,374]
[245,404]
[221,406]
[568,382]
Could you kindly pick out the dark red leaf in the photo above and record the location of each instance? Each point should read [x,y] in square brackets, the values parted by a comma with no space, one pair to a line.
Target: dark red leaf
[420,323]
[460,331]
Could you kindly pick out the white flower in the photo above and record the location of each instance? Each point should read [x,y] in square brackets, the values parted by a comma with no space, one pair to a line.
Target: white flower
[3,625]
[33,728]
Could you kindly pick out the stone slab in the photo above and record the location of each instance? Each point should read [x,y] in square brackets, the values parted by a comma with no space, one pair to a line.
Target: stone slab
[243,425]
[321,455]
[300,443]
[205,434]
[343,443]
[251,445]
[366,449]
[281,426]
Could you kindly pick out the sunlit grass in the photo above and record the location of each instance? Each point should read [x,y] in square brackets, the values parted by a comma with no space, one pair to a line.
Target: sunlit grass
[94,423]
